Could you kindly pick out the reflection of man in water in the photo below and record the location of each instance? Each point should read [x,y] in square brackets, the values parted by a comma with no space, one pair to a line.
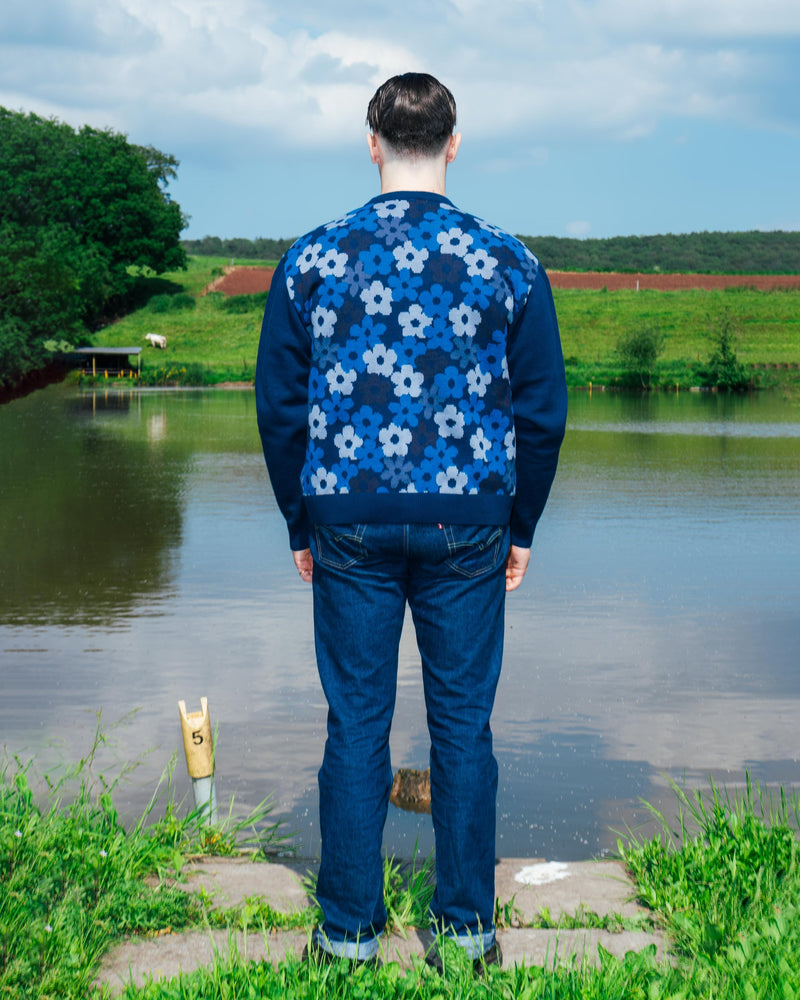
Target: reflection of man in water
[411,403]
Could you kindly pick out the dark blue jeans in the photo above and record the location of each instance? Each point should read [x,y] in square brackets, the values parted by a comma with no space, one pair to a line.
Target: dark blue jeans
[453,577]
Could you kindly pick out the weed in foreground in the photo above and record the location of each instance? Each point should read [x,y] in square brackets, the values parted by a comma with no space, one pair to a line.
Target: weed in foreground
[74,880]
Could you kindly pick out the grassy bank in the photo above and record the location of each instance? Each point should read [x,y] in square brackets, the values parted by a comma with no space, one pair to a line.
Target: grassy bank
[725,886]
[213,339]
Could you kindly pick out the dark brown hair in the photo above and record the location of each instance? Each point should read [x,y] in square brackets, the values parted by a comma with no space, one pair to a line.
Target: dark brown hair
[414,113]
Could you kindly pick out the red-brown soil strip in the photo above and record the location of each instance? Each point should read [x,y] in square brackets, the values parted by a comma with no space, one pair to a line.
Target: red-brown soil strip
[250,280]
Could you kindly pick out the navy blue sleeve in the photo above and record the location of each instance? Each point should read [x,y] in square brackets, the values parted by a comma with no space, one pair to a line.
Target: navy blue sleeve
[284,361]
[539,401]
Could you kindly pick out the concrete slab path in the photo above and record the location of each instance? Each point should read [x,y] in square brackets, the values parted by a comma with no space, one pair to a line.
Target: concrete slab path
[525,887]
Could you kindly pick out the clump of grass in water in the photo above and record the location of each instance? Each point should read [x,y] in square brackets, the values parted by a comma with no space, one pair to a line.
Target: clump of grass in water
[73,879]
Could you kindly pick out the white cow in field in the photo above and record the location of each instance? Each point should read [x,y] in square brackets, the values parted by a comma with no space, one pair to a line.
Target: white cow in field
[156,340]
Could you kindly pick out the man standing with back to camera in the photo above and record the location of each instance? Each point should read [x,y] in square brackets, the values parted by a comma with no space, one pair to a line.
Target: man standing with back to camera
[411,403]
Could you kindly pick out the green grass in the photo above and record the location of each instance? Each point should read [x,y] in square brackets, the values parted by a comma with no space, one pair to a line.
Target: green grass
[217,340]
[724,885]
[73,880]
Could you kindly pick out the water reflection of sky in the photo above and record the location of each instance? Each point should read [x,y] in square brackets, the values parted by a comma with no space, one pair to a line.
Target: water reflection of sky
[656,635]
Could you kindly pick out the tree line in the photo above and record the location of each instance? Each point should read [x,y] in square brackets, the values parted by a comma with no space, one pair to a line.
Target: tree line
[754,252]
[84,217]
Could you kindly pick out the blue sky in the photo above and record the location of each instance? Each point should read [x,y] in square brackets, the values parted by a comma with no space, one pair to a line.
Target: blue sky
[579,117]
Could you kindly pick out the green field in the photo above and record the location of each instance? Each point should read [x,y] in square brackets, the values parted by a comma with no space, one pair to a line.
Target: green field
[216,340]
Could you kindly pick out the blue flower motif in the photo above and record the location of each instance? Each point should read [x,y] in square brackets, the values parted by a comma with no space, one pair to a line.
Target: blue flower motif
[356,278]
[367,423]
[406,410]
[450,383]
[425,234]
[439,335]
[435,301]
[376,260]
[496,425]
[371,454]
[440,453]
[392,230]
[326,354]
[314,455]
[492,356]
[424,477]
[475,293]
[465,352]
[397,470]
[475,472]
[317,384]
[405,285]
[409,349]
[351,355]
[337,408]
[331,293]
[345,472]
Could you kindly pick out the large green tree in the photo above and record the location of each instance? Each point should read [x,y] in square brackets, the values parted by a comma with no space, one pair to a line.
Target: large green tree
[79,209]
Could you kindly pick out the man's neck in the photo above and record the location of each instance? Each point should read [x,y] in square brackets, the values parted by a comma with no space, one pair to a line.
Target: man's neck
[414,175]
[411,173]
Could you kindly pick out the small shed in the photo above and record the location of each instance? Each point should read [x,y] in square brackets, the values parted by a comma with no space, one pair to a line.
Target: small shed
[111,360]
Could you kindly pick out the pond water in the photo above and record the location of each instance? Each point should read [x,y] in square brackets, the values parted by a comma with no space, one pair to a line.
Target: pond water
[143,561]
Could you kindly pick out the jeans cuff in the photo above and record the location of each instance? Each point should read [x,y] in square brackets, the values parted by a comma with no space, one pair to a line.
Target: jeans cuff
[474,944]
[361,949]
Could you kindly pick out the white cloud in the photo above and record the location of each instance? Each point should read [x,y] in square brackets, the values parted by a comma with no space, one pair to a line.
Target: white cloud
[578,228]
[608,68]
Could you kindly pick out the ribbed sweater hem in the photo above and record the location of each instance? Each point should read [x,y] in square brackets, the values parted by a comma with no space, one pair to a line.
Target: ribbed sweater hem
[408,508]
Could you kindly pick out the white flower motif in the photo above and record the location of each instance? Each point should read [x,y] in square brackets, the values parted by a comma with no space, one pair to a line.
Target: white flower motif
[395,440]
[323,321]
[414,322]
[323,481]
[451,481]
[480,444]
[510,444]
[290,287]
[411,257]
[450,422]
[465,320]
[454,241]
[478,380]
[308,258]
[407,382]
[347,441]
[394,209]
[377,299]
[340,380]
[480,264]
[379,360]
[317,423]
[332,264]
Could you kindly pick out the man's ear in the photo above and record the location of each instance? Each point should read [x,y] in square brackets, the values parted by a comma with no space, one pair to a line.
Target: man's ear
[452,147]
[374,149]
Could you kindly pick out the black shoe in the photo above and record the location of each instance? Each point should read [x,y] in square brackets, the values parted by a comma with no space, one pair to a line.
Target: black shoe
[315,953]
[492,956]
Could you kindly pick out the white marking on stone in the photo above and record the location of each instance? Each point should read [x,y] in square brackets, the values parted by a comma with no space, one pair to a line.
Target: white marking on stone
[542,873]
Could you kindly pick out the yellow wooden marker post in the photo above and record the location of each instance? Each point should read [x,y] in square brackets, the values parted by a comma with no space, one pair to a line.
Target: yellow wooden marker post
[199,749]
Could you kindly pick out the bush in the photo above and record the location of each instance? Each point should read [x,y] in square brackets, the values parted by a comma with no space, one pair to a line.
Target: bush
[638,350]
[179,302]
[723,369]
[243,303]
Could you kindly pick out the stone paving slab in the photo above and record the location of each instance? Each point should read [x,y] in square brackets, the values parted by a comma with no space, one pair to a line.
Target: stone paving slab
[529,885]
[600,887]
